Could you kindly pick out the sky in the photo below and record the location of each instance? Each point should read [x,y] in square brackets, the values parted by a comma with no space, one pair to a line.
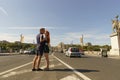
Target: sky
[66,20]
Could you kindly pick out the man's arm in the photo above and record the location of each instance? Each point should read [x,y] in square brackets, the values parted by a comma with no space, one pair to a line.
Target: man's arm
[38,39]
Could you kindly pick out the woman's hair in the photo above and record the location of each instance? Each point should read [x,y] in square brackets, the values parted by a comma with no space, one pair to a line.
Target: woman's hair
[48,36]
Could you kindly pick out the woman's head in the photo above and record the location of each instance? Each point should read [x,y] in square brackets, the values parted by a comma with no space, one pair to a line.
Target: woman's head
[47,36]
[47,33]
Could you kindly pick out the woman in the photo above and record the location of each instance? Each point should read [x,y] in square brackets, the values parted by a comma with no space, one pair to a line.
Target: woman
[46,48]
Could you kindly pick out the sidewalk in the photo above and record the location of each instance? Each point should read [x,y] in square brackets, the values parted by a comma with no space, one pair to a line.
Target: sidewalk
[92,53]
[7,54]
[113,57]
[96,54]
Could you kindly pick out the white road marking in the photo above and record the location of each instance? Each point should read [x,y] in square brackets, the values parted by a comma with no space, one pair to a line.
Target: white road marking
[15,68]
[7,71]
[25,71]
[16,73]
[70,77]
[52,65]
[75,71]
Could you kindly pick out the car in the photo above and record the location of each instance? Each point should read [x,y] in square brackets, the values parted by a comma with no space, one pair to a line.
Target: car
[26,51]
[32,51]
[73,52]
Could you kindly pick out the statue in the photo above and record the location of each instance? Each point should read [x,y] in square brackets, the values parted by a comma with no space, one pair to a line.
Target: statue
[116,25]
[115,37]
[21,38]
[81,41]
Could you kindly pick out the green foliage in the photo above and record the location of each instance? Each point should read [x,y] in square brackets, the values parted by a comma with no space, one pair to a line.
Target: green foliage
[73,45]
[97,47]
[6,47]
[90,48]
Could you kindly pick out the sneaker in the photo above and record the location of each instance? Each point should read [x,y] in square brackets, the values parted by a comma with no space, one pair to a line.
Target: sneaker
[33,69]
[39,69]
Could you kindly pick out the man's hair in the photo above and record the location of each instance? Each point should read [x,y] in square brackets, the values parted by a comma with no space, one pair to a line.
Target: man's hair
[41,29]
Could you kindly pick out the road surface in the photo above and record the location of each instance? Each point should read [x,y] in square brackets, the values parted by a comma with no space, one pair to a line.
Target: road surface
[18,67]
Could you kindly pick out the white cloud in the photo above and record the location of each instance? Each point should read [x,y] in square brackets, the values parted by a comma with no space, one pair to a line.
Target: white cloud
[32,28]
[9,37]
[29,38]
[15,37]
[67,38]
[75,38]
[4,11]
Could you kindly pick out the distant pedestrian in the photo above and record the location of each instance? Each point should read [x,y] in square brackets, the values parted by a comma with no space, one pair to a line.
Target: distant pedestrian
[40,38]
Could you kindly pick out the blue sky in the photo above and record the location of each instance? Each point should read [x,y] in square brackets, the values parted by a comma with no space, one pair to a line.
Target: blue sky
[66,20]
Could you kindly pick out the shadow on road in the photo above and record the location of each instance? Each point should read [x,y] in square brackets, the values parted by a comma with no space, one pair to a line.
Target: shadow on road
[79,70]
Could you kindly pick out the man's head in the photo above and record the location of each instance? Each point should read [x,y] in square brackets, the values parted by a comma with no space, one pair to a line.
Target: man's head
[42,30]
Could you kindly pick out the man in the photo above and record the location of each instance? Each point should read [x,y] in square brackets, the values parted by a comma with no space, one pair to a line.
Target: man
[40,48]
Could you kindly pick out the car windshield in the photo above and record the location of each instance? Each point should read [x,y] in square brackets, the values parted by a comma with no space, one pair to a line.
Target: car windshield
[75,49]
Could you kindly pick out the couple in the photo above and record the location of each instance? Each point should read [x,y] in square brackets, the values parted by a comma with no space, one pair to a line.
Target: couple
[43,42]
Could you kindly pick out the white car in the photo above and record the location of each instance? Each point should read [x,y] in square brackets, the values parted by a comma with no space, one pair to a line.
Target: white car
[26,51]
[73,52]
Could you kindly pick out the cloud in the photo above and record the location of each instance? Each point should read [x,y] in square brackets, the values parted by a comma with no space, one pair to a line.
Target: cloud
[9,37]
[15,37]
[33,28]
[67,38]
[4,11]
[74,37]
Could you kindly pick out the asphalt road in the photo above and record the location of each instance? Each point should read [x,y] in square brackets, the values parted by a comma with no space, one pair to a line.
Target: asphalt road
[18,67]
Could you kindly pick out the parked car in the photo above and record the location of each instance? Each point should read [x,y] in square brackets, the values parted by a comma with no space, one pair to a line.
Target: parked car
[73,52]
[32,51]
[26,51]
